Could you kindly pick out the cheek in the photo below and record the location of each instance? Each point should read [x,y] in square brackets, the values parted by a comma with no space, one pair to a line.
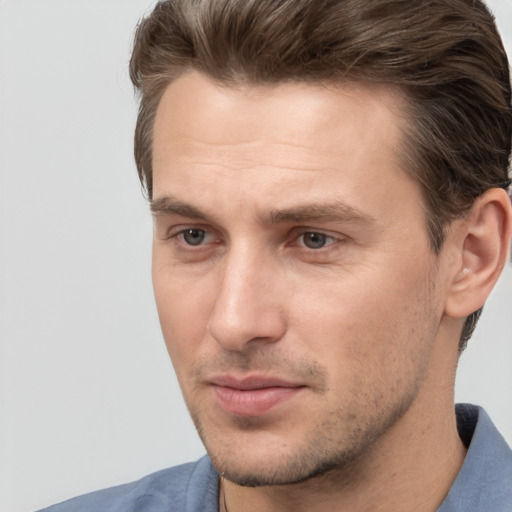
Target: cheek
[368,322]
[183,310]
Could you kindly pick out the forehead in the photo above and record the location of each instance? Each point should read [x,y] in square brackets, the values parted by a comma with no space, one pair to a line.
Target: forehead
[254,142]
[194,104]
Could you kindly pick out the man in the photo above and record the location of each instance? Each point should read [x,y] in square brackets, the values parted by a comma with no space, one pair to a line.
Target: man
[328,180]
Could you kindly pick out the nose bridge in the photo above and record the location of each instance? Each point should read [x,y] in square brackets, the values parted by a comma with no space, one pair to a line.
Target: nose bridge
[247,306]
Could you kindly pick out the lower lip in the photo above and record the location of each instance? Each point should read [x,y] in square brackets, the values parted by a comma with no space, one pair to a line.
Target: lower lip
[253,402]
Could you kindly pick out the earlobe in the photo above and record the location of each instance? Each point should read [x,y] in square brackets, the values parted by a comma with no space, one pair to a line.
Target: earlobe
[484,244]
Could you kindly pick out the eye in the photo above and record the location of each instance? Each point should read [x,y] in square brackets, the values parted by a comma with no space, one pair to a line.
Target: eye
[313,240]
[193,236]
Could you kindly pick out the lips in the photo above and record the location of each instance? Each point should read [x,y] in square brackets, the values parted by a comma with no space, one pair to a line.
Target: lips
[253,395]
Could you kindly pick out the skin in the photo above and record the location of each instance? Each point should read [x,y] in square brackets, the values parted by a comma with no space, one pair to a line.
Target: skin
[308,261]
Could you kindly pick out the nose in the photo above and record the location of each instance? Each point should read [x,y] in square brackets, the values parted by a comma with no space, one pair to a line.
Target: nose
[247,309]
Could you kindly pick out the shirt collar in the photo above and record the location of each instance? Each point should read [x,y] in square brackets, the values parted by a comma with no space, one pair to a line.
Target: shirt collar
[484,482]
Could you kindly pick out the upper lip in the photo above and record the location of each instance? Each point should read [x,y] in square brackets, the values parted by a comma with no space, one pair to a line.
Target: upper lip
[251,382]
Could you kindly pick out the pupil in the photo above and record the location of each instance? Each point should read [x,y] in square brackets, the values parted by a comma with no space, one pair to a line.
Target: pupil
[194,236]
[314,240]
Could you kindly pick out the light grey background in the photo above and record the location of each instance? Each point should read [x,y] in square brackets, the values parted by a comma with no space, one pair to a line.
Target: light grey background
[88,397]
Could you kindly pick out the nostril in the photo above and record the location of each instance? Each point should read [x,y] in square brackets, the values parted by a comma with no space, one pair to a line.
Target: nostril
[235,328]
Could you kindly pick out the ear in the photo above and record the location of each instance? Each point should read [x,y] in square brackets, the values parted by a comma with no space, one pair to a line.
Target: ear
[483,247]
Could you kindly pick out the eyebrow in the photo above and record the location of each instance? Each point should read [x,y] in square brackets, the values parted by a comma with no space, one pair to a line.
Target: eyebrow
[169,206]
[326,212]
[309,212]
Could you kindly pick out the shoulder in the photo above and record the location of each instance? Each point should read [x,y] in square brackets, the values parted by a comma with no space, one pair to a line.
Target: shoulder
[189,487]
[484,482]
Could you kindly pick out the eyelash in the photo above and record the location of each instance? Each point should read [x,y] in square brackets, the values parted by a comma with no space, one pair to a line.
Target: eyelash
[323,236]
[327,239]
[177,235]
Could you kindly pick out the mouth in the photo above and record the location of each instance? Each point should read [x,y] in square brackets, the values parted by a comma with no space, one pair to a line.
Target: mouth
[252,396]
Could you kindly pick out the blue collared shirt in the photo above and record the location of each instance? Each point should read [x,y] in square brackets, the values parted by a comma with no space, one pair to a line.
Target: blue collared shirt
[484,483]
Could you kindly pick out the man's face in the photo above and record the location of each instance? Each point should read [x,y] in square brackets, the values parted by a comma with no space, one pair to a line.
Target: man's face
[296,288]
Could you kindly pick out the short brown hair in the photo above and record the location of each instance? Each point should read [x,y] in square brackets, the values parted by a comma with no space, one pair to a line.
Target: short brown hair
[446,56]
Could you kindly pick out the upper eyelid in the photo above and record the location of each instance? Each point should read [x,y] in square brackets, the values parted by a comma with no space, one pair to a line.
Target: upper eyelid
[180,228]
[174,220]
[301,230]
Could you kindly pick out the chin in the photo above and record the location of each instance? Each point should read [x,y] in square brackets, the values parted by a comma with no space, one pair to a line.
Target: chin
[247,465]
[286,474]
